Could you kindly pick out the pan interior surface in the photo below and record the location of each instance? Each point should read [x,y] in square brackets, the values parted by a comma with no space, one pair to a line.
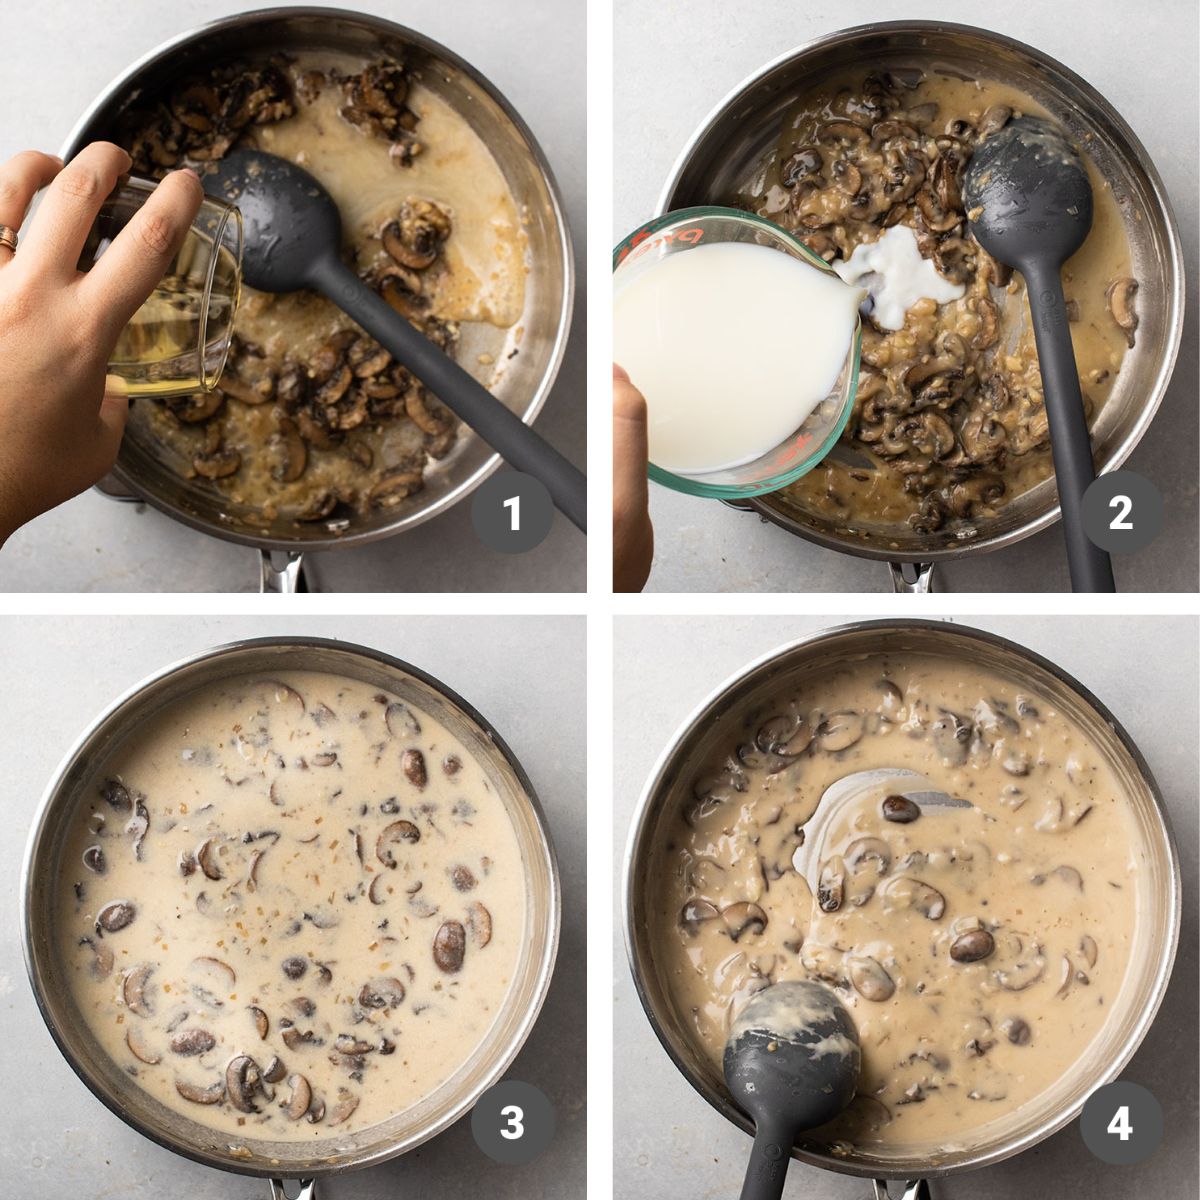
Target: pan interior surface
[405,1129]
[150,470]
[1157,901]
[743,134]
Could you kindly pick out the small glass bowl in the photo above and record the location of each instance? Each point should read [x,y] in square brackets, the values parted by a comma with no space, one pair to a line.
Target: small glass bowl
[679,231]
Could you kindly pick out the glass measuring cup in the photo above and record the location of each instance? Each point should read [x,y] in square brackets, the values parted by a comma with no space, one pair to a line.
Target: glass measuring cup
[683,230]
[178,341]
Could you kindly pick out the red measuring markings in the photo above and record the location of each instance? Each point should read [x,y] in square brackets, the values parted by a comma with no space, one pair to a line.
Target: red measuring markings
[645,240]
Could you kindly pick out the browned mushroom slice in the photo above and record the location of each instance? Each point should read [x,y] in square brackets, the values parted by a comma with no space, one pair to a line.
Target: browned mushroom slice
[400,720]
[428,414]
[115,916]
[351,1046]
[415,239]
[242,1080]
[449,947]
[117,794]
[479,924]
[993,120]
[258,392]
[412,763]
[190,1043]
[1120,303]
[367,358]
[335,387]
[206,856]
[463,878]
[342,1111]
[294,1039]
[805,162]
[213,1094]
[134,989]
[980,492]
[395,834]
[93,859]
[318,507]
[262,1022]
[299,1097]
[197,407]
[401,288]
[274,1071]
[375,99]
[382,993]
[870,979]
[989,324]
[396,486]
[841,131]
[139,1049]
[217,464]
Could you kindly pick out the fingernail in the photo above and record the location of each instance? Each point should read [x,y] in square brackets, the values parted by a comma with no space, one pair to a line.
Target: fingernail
[189,171]
[620,375]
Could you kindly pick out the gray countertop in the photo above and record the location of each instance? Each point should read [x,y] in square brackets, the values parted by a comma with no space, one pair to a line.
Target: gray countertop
[59,1142]
[54,65]
[672,1145]
[675,61]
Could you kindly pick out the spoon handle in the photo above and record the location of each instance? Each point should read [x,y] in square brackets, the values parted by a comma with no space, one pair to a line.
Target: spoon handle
[1070,442]
[767,1170]
[460,391]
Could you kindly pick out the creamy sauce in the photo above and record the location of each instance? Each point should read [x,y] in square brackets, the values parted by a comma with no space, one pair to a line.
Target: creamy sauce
[979,949]
[950,423]
[733,345]
[293,908]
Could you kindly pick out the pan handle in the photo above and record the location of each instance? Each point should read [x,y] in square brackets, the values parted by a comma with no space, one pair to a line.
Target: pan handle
[308,1190]
[917,1190]
[280,571]
[917,582]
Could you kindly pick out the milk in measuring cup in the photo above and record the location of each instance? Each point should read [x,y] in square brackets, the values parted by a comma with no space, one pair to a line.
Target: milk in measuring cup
[733,345]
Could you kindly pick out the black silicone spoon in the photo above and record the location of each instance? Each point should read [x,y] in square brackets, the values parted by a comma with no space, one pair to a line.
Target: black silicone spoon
[792,1062]
[292,235]
[1029,204]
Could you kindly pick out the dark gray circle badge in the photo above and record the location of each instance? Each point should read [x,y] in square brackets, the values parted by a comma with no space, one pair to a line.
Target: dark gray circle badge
[1122,1123]
[1122,512]
[512,512]
[513,1122]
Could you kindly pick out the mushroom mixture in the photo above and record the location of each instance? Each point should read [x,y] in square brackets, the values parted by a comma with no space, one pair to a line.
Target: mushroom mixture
[978,948]
[313,421]
[949,422]
[292,908]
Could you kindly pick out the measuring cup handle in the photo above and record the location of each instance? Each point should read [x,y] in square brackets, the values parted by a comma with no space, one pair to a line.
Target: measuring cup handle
[308,1190]
[920,582]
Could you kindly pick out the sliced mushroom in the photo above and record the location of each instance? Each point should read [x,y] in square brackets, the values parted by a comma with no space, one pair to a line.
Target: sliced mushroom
[351,1046]
[139,1049]
[134,989]
[242,1080]
[400,720]
[274,1072]
[972,946]
[742,918]
[869,854]
[900,810]
[262,1023]
[415,239]
[103,958]
[115,916]
[206,856]
[1017,1031]
[93,859]
[479,924]
[295,1039]
[869,979]
[840,731]
[412,763]
[1120,303]
[449,947]
[382,993]
[117,795]
[347,1102]
[903,891]
[831,884]
[192,1042]
[463,878]
[1089,949]
[287,450]
[394,487]
[395,834]
[299,1097]
[213,1094]
[1020,962]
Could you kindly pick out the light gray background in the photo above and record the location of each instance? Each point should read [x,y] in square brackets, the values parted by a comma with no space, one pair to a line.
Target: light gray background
[57,55]
[60,1143]
[672,1145]
[676,61]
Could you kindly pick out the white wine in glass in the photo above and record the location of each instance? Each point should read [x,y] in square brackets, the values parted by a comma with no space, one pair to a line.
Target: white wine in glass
[178,341]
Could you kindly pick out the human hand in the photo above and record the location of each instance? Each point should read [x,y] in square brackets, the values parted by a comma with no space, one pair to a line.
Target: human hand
[60,428]
[633,535]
